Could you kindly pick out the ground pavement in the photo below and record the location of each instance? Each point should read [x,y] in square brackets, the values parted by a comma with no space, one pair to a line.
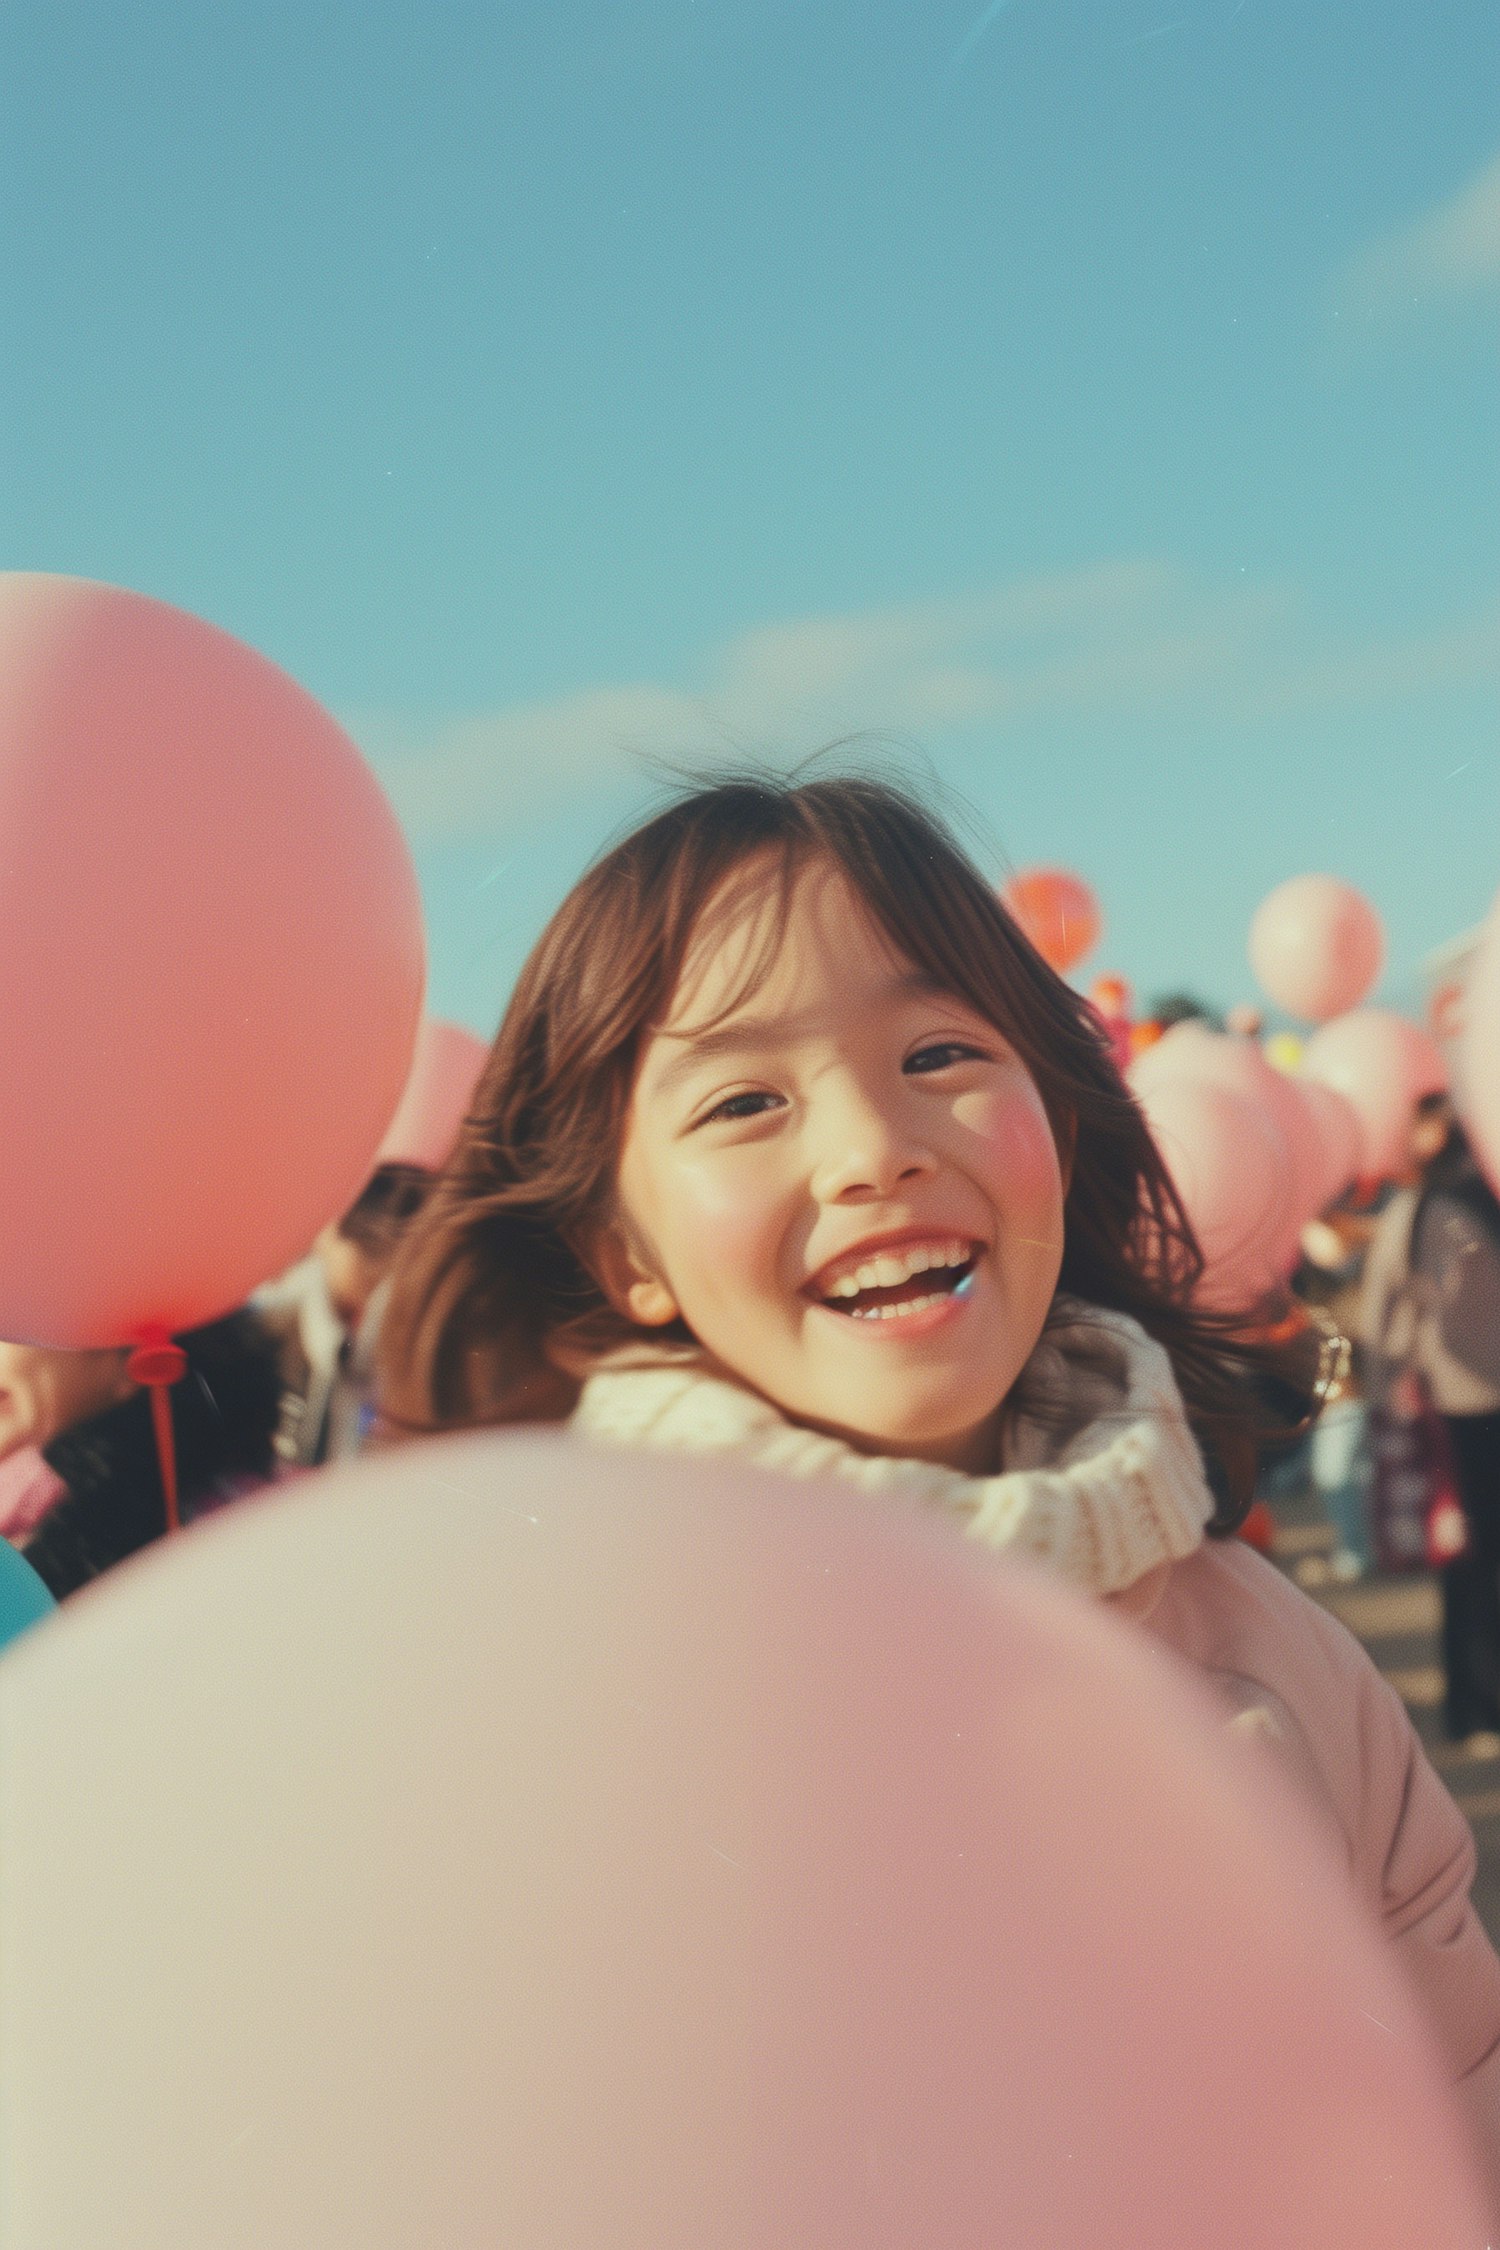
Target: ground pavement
[1397,1620]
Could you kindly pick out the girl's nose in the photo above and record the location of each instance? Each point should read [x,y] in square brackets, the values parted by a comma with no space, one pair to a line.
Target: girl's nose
[865,1154]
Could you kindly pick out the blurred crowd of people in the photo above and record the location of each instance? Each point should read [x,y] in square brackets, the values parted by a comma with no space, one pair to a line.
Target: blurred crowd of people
[1404,1457]
[1405,1454]
[281,1386]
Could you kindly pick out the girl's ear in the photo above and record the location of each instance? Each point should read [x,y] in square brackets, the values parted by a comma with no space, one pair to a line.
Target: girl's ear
[629,1282]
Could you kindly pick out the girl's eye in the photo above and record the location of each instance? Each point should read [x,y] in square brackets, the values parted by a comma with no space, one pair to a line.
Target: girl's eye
[737,1107]
[941,1055]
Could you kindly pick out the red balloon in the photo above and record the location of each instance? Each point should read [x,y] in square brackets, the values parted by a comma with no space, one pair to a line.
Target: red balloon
[214,966]
[503,1842]
[1057,911]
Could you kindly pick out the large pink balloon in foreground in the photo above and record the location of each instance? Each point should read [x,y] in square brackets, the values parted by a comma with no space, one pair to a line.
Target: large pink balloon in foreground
[504,1843]
[1382,1065]
[214,963]
[1317,946]
[444,1074]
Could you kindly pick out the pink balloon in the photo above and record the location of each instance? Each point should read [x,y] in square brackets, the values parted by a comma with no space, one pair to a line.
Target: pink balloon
[1382,1065]
[624,1851]
[444,1073]
[1339,1136]
[214,965]
[1238,1065]
[1228,1164]
[1175,1052]
[1478,1061]
[1316,946]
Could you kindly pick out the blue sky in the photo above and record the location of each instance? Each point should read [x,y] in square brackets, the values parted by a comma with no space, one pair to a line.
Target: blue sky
[1095,398]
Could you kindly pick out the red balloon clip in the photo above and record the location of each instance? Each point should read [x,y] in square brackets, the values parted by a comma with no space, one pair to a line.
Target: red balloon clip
[157,1363]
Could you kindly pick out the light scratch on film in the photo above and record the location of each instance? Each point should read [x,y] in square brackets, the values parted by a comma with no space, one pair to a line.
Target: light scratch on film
[974,34]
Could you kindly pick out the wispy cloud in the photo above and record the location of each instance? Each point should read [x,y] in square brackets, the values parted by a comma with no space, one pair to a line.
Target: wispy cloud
[1339,672]
[1131,637]
[1448,254]
[1132,634]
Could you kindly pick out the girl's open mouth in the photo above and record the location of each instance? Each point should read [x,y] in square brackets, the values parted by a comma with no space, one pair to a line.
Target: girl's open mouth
[898,1285]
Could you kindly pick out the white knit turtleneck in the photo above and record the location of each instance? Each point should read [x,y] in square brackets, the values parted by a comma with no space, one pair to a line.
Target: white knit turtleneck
[1122,1492]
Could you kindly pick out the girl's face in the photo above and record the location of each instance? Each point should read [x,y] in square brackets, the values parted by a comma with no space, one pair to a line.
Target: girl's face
[848,1188]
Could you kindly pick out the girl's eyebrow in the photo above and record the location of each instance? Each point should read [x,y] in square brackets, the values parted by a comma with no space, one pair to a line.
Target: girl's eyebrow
[731,1039]
[760,1031]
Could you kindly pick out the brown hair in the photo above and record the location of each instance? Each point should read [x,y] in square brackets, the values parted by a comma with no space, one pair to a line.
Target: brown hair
[493,1307]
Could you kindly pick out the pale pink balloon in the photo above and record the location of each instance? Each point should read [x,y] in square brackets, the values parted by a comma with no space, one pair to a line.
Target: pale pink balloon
[1339,1136]
[1316,946]
[214,965]
[1228,1164]
[503,1842]
[1170,1055]
[1238,1065]
[1382,1065]
[1478,1056]
[444,1073]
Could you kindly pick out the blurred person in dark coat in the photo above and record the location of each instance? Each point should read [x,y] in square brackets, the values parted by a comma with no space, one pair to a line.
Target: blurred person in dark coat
[1430,1325]
[105,1498]
[325,1315]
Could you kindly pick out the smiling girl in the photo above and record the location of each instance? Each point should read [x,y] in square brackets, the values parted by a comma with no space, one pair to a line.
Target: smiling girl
[790,1147]
[790,1144]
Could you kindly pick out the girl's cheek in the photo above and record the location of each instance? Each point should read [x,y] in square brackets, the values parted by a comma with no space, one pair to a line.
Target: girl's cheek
[728,1211]
[1020,1154]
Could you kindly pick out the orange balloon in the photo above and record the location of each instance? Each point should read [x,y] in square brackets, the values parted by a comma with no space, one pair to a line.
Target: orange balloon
[502,1842]
[214,966]
[1057,911]
[1113,998]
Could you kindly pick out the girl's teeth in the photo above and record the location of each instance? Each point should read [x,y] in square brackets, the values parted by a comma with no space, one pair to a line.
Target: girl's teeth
[886,1270]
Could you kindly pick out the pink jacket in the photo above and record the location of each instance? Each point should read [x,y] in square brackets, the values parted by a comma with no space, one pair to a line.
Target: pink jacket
[29,1490]
[1290,1672]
